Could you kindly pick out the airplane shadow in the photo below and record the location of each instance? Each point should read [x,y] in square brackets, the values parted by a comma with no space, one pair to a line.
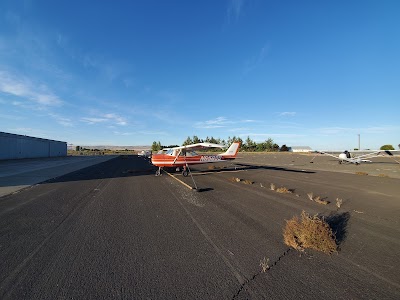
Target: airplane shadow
[242,166]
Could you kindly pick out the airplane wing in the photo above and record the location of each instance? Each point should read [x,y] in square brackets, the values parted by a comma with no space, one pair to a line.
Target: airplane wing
[199,146]
[326,153]
[376,153]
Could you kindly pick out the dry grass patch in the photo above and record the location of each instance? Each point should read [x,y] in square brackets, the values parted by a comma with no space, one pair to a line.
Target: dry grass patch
[362,173]
[235,179]
[247,181]
[212,167]
[309,232]
[339,202]
[320,201]
[264,265]
[317,199]
[283,190]
[272,187]
[383,175]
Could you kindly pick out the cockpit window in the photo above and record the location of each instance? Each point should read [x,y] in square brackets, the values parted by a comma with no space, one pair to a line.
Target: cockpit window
[189,153]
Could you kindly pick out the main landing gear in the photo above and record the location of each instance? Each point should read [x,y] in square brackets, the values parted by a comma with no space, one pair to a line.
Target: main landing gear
[185,172]
[158,172]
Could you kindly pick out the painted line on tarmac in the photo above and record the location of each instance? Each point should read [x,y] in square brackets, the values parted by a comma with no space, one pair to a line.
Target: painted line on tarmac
[180,181]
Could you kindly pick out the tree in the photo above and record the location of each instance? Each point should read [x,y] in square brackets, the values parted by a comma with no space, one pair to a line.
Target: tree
[387,147]
[250,145]
[213,140]
[269,144]
[188,141]
[156,146]
[196,140]
[261,147]
[77,148]
[284,148]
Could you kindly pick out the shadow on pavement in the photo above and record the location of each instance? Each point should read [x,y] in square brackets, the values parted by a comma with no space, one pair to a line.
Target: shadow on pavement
[338,222]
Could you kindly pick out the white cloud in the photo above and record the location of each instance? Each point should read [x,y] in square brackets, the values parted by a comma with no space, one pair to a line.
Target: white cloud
[106,118]
[215,123]
[234,9]
[129,82]
[62,120]
[123,133]
[254,62]
[116,118]
[287,114]
[23,88]
[360,130]
[221,122]
[93,120]
[22,130]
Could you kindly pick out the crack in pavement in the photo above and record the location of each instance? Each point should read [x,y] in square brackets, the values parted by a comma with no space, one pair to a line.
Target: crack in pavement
[243,285]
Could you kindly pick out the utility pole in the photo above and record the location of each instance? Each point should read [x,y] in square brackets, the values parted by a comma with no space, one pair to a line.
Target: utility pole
[359,145]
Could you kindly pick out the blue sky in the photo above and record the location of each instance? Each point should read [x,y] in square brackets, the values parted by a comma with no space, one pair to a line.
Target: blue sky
[314,73]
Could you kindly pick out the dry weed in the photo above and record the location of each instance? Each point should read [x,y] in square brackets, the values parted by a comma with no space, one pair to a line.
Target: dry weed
[247,181]
[283,190]
[235,179]
[383,175]
[310,232]
[339,202]
[272,187]
[362,173]
[320,201]
[264,264]
[317,199]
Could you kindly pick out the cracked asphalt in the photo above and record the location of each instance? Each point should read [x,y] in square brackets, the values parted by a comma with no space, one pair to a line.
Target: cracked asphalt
[116,231]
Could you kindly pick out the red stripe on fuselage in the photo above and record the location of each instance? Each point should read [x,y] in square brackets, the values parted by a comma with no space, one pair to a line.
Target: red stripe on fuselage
[164,160]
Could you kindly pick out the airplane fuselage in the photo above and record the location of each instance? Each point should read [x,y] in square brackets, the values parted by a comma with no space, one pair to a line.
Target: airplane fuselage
[165,160]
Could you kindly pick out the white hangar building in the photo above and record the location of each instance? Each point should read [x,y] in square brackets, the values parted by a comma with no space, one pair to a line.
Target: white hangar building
[15,146]
[300,149]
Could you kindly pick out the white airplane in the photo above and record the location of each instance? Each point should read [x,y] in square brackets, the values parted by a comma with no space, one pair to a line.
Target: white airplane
[347,157]
[145,153]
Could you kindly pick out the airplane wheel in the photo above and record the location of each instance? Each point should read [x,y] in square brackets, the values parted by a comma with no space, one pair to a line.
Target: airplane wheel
[185,173]
[158,173]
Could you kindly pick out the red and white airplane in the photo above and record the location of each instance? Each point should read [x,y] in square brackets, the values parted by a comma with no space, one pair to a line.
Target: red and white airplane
[185,155]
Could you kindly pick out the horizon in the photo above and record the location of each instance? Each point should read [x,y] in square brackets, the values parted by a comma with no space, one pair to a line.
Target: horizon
[131,73]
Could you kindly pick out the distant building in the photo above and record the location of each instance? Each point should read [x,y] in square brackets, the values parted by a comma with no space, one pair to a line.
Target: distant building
[15,146]
[300,149]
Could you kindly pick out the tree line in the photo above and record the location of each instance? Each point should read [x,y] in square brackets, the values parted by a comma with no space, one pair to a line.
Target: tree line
[247,145]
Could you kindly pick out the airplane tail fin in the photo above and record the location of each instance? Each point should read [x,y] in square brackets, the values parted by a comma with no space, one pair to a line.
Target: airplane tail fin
[232,151]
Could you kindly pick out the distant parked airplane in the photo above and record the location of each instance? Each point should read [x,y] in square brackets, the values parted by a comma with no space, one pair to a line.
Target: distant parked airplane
[347,157]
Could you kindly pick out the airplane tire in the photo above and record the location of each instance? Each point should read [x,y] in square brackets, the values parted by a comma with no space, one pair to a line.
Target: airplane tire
[158,173]
[185,173]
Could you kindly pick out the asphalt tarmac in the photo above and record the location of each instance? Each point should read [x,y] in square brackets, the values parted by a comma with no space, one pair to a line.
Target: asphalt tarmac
[115,231]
